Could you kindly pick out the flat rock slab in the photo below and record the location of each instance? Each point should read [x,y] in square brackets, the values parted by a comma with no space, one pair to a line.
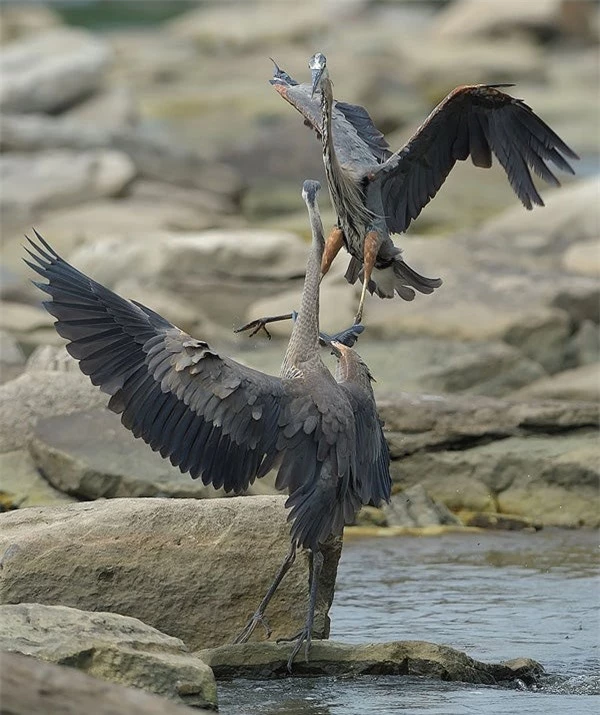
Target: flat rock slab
[33,687]
[91,455]
[111,647]
[195,569]
[269,660]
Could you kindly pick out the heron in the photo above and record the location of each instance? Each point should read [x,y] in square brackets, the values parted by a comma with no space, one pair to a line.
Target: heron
[376,193]
[225,422]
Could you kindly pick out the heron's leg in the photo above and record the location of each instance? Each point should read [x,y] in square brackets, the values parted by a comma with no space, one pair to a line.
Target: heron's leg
[370,250]
[261,323]
[334,242]
[305,635]
[258,616]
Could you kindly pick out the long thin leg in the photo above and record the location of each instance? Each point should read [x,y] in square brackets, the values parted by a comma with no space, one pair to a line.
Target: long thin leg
[306,633]
[258,616]
[371,247]
[333,244]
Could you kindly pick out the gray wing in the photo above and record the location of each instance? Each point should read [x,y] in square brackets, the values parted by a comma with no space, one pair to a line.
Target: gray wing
[355,137]
[372,454]
[211,416]
[473,120]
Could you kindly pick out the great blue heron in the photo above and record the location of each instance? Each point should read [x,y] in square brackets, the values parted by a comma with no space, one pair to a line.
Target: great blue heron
[377,193]
[225,422]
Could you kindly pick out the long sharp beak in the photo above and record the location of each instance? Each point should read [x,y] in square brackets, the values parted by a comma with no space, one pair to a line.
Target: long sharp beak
[316,78]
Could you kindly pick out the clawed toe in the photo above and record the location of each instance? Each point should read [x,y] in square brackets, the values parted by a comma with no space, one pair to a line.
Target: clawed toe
[248,630]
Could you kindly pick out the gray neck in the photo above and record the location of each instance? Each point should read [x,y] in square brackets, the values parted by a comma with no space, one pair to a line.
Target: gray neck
[304,341]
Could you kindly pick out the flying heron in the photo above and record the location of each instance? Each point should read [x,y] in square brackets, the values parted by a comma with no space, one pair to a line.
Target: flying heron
[376,193]
[227,423]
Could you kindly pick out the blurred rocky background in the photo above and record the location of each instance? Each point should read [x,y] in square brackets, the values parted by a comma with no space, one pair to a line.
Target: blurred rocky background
[143,140]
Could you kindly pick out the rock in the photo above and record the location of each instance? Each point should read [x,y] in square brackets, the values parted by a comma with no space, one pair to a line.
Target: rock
[437,422]
[59,177]
[194,569]
[247,26]
[51,71]
[414,507]
[506,522]
[51,358]
[581,383]
[110,647]
[570,216]
[415,658]
[115,108]
[585,344]
[32,687]
[156,156]
[19,319]
[543,337]
[12,359]
[91,455]
[21,20]
[583,257]
[543,19]
[488,369]
[553,480]
[41,394]
[21,485]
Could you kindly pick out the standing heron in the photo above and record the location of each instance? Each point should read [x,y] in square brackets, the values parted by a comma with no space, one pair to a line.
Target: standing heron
[376,193]
[227,423]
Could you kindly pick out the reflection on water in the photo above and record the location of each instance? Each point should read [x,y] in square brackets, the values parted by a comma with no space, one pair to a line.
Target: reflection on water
[496,595]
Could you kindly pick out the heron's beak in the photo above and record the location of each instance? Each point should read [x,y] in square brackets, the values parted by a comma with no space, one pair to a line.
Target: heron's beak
[336,348]
[316,79]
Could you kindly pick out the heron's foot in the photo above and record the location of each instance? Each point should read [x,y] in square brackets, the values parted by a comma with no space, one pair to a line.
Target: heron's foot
[300,639]
[248,630]
[261,324]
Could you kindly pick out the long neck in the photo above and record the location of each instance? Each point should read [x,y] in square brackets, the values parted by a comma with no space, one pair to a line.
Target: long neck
[304,340]
[329,156]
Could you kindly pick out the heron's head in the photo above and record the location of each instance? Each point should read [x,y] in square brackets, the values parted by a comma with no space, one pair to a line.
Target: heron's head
[310,191]
[318,67]
[350,365]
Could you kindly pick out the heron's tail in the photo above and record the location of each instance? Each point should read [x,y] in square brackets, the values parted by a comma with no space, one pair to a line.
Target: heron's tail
[398,277]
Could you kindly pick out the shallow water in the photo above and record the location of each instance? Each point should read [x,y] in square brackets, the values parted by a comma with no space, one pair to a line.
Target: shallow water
[495,595]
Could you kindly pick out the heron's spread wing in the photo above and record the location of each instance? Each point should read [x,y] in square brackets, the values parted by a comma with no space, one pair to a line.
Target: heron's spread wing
[372,454]
[355,136]
[210,415]
[473,120]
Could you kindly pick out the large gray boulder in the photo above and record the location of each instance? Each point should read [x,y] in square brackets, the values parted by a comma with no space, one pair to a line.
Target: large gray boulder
[33,687]
[91,455]
[22,485]
[194,569]
[111,647]
[415,658]
[51,71]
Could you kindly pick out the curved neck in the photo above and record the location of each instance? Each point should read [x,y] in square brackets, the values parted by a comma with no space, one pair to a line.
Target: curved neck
[326,108]
[304,340]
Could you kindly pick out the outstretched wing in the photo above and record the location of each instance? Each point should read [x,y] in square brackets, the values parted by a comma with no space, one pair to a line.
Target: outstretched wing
[211,416]
[355,136]
[473,120]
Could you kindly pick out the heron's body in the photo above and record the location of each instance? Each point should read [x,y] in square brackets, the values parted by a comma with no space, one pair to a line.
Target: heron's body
[377,193]
[223,421]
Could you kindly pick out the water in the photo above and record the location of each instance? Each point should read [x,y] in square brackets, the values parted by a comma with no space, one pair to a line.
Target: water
[496,595]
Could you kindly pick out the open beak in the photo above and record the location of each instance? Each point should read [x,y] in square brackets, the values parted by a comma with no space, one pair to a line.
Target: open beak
[316,78]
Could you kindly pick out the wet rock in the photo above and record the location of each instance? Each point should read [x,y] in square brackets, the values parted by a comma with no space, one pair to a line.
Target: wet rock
[553,480]
[41,394]
[414,507]
[12,359]
[57,178]
[21,484]
[52,71]
[581,383]
[204,565]
[505,522]
[416,658]
[32,687]
[110,647]
[91,455]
